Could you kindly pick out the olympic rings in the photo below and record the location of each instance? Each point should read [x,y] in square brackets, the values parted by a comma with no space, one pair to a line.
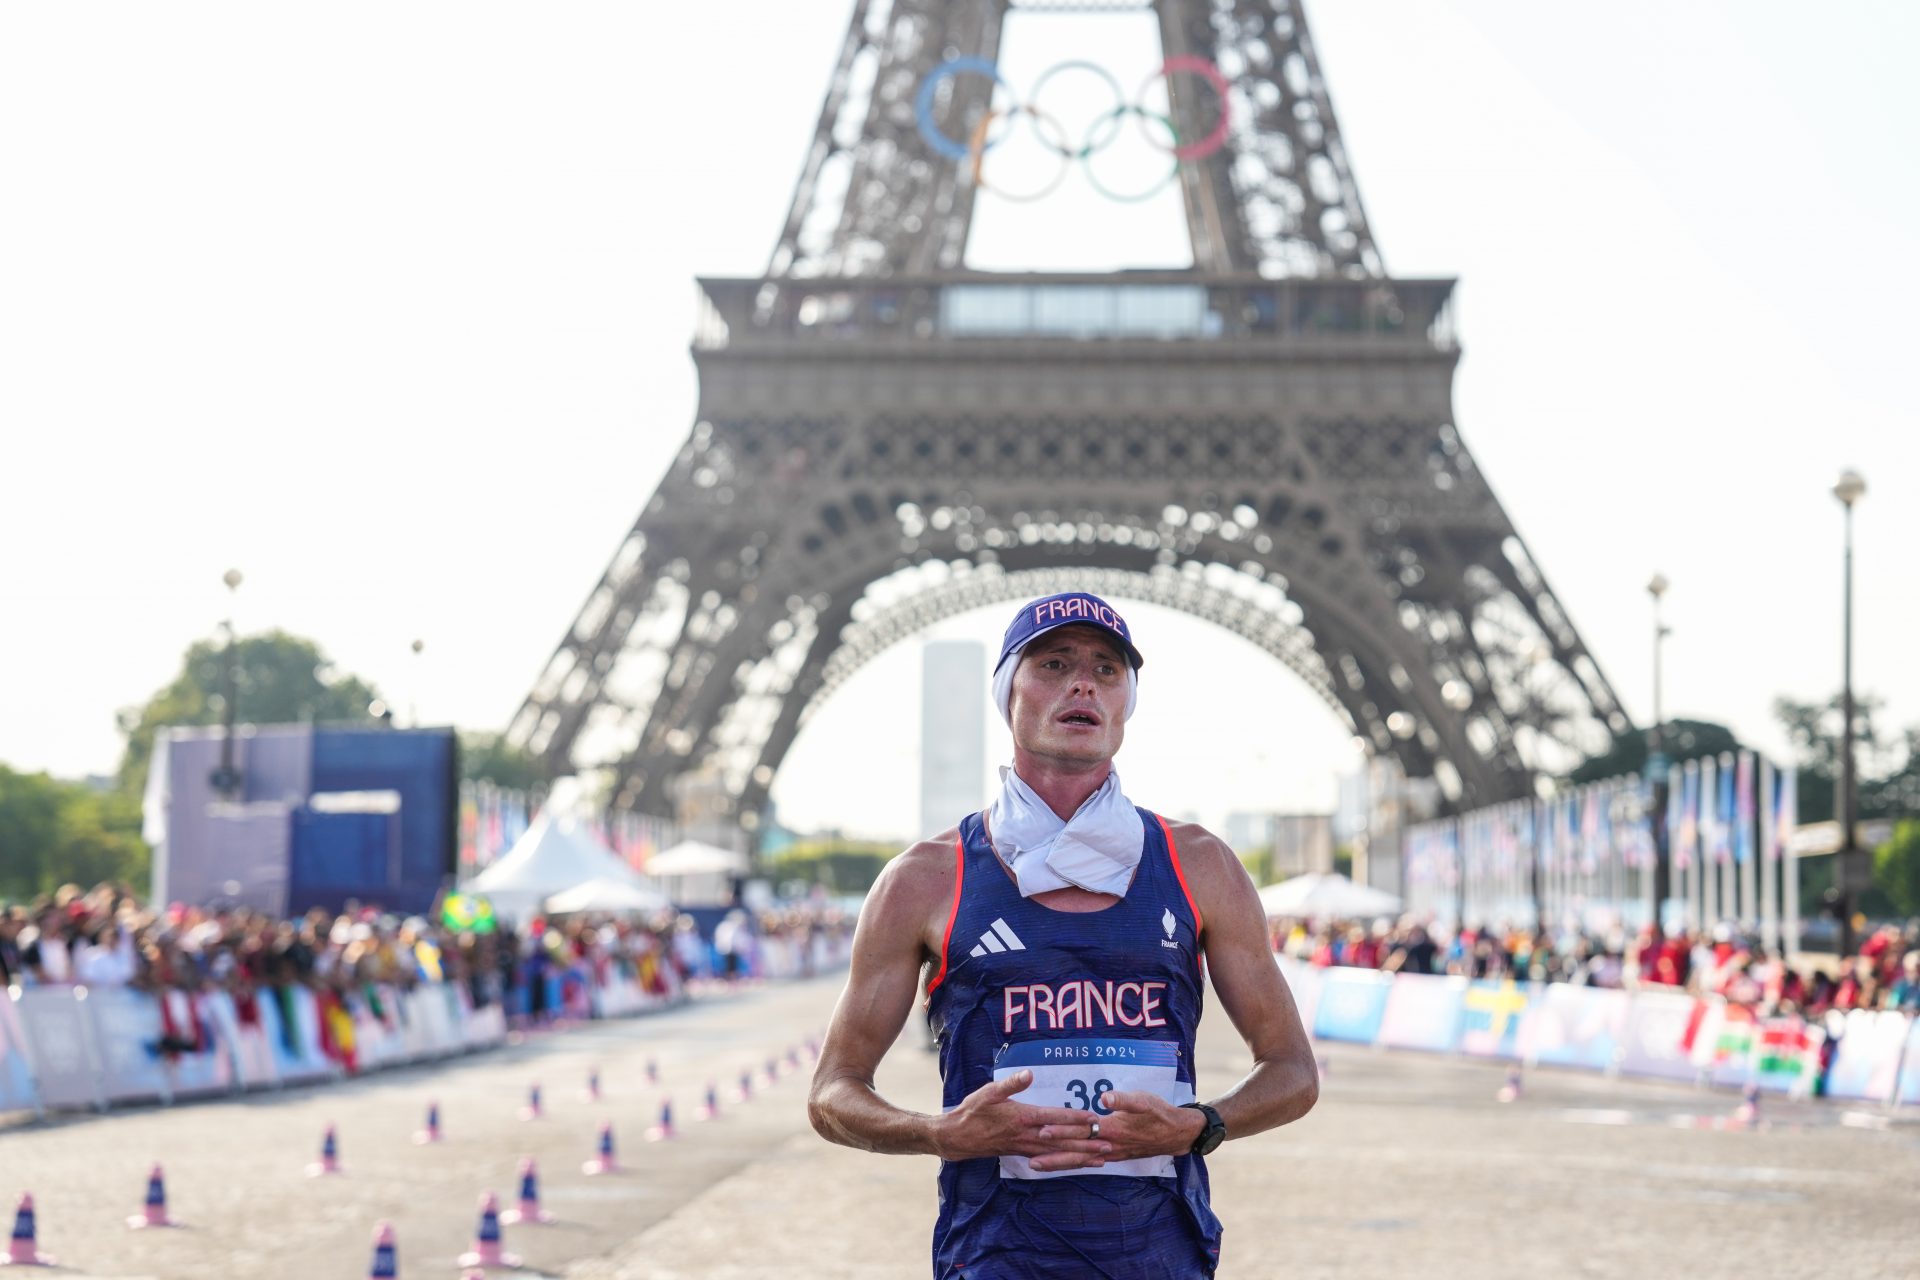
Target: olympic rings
[978,144]
[1152,191]
[1104,129]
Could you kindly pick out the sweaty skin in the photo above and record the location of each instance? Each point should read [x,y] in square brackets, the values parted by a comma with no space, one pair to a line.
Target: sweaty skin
[1069,699]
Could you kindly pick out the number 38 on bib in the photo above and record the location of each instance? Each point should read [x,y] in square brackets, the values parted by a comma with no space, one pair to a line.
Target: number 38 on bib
[1078,1074]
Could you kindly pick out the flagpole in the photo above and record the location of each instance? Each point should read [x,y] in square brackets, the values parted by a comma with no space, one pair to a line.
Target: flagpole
[1743,805]
[1789,861]
[1769,860]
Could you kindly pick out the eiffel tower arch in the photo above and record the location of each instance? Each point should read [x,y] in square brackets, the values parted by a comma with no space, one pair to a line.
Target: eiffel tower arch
[885,438]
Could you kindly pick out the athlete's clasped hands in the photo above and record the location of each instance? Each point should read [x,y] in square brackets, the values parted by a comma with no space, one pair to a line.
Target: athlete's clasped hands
[990,1123]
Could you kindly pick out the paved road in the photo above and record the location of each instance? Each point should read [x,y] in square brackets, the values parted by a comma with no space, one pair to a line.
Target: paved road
[1408,1166]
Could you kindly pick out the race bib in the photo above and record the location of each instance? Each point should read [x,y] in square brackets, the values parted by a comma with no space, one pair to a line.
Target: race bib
[1079,1074]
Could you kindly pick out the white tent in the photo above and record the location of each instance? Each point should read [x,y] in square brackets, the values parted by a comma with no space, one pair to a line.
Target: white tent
[556,854]
[692,858]
[604,895]
[1327,896]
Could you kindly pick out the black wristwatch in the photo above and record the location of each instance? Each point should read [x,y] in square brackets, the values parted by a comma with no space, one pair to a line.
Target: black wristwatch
[1210,1137]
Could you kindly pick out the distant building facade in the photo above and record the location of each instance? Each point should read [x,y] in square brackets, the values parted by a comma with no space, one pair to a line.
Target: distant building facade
[953,732]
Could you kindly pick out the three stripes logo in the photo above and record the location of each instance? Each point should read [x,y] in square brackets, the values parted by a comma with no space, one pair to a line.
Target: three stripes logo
[996,939]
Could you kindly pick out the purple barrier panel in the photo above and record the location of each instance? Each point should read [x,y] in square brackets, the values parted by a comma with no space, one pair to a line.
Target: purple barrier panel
[126,1035]
[1423,1012]
[59,1038]
[1866,1063]
[18,1091]
[1304,981]
[1569,1026]
[1910,1066]
[1786,1058]
[1656,1040]
[1490,1017]
[1352,1002]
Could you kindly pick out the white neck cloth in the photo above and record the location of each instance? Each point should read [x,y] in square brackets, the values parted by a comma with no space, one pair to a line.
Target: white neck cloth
[1096,850]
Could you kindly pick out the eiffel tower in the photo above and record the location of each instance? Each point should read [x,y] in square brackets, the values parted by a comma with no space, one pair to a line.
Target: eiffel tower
[885,438]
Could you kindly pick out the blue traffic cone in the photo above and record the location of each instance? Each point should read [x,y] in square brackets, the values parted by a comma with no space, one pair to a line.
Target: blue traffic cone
[22,1250]
[154,1212]
[528,1211]
[386,1254]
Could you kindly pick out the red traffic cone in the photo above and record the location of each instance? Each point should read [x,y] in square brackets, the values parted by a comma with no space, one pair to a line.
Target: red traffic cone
[532,1110]
[604,1160]
[386,1254]
[664,1130]
[329,1161]
[528,1212]
[430,1134]
[710,1109]
[746,1085]
[593,1085]
[154,1212]
[21,1249]
[1510,1091]
[486,1251]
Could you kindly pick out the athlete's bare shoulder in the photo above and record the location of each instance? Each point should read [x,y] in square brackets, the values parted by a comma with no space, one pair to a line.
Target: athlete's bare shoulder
[914,891]
[1215,874]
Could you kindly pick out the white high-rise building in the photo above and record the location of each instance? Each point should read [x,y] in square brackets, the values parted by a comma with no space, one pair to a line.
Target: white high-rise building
[953,732]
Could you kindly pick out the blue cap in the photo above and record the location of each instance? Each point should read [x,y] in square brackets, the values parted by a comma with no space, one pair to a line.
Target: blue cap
[1068,609]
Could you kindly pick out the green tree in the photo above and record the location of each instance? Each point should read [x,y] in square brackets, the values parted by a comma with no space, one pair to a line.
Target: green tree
[1896,868]
[487,757]
[278,679]
[1888,768]
[840,864]
[53,833]
[1681,740]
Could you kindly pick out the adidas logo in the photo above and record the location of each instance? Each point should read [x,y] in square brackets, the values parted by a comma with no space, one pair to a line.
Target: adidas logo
[996,939]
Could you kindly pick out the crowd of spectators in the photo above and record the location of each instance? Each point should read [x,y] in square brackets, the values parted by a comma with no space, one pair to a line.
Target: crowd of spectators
[1883,974]
[351,958]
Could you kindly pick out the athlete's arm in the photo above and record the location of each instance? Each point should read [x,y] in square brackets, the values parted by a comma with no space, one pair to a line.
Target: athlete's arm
[1284,1083]
[896,933]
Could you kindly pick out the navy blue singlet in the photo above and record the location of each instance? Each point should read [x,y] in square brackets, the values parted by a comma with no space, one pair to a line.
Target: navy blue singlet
[1089,1001]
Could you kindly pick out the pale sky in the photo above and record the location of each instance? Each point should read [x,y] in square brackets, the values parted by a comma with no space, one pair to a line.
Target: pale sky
[388,306]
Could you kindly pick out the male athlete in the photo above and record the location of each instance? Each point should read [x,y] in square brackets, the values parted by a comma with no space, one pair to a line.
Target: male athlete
[1062,933]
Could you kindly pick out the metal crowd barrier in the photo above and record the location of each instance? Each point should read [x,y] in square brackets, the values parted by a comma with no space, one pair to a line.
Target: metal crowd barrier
[1664,1034]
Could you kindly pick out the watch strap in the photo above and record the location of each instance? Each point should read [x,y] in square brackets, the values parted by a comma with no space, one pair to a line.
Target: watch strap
[1212,1134]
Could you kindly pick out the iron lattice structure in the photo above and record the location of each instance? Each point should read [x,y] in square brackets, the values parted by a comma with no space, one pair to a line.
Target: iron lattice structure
[884,438]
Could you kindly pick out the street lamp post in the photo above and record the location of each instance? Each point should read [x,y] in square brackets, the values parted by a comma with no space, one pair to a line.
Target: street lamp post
[1658,765]
[226,779]
[1852,873]
[413,703]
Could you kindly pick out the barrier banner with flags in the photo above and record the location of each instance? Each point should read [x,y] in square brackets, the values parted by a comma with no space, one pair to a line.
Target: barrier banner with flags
[60,1044]
[1490,1016]
[1569,1026]
[1304,981]
[1723,1040]
[1909,1086]
[1786,1057]
[18,1092]
[1656,1041]
[1352,1002]
[1866,1063]
[1423,1012]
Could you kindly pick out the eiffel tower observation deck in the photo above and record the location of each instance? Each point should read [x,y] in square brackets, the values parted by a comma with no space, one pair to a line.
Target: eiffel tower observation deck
[885,438]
